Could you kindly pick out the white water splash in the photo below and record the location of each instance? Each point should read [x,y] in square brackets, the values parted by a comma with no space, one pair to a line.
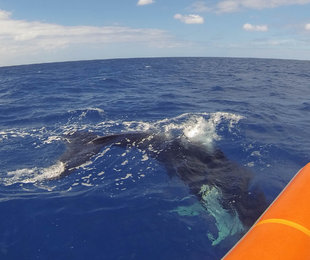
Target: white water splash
[202,128]
[33,175]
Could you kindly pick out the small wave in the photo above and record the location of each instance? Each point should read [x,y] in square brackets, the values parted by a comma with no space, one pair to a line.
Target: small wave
[87,113]
[33,175]
[14,133]
[305,106]
[84,111]
[43,134]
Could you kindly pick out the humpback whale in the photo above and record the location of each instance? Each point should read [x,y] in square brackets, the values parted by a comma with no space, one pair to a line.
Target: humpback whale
[198,166]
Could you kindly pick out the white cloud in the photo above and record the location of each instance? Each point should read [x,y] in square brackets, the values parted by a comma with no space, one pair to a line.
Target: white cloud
[228,6]
[4,14]
[307,27]
[21,38]
[145,2]
[255,28]
[276,42]
[200,7]
[189,19]
[49,36]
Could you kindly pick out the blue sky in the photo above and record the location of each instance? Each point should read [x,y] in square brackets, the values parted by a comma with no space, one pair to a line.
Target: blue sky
[36,31]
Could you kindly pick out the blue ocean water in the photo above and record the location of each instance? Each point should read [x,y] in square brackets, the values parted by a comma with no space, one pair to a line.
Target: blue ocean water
[122,203]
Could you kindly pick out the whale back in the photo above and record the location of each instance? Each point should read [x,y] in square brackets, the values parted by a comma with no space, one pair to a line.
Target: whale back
[193,163]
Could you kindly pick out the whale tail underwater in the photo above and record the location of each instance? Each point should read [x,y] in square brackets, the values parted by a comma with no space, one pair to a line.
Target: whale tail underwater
[204,170]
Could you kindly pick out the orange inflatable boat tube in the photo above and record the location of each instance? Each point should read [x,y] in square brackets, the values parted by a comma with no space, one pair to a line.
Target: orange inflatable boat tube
[283,231]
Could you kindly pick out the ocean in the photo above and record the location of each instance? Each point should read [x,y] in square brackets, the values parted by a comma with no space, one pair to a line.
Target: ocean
[193,144]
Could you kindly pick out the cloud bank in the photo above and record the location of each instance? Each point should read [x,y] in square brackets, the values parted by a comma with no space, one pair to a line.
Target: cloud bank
[189,19]
[29,38]
[255,28]
[229,6]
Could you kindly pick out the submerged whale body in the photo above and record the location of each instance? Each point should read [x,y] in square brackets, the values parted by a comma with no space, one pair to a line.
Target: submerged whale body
[197,166]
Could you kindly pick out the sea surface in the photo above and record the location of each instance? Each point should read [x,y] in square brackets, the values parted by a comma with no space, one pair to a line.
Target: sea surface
[121,202]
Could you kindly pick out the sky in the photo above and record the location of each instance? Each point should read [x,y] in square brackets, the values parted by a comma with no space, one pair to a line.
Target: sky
[36,31]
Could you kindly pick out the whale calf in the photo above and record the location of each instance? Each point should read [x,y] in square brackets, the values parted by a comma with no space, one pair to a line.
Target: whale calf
[199,167]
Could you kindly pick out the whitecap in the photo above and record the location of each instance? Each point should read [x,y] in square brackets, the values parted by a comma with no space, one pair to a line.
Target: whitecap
[144,157]
[33,175]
